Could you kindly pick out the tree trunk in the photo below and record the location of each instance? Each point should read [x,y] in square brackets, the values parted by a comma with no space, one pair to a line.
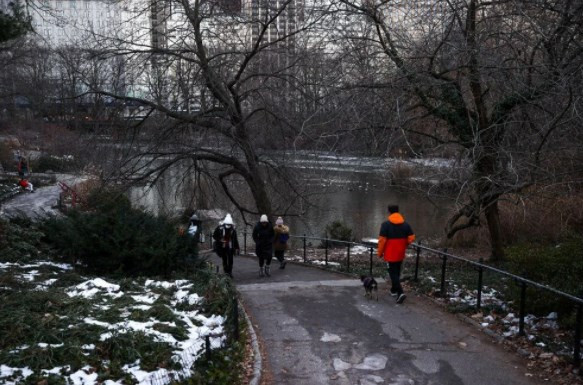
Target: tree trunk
[255,179]
[493,219]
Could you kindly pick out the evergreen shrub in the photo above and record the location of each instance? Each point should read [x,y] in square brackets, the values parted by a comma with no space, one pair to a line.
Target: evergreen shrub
[340,231]
[20,240]
[559,266]
[7,161]
[53,163]
[110,237]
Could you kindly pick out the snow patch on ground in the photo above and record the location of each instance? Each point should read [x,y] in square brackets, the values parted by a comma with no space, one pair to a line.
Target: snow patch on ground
[373,362]
[371,380]
[149,298]
[89,289]
[17,374]
[340,365]
[327,337]
[323,263]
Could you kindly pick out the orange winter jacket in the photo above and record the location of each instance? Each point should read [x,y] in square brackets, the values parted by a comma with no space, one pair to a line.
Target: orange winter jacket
[394,237]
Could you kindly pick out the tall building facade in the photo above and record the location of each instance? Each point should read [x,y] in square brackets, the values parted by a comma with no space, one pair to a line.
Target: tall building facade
[282,18]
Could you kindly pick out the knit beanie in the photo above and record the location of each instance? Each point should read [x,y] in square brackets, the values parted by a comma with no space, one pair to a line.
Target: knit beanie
[279,221]
[263,218]
[393,209]
[228,220]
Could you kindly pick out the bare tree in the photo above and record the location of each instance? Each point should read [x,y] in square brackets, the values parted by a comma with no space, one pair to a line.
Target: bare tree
[14,23]
[220,87]
[496,80]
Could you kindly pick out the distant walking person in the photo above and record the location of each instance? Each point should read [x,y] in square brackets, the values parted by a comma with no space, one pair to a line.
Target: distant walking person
[394,237]
[226,244]
[195,228]
[263,235]
[22,166]
[280,241]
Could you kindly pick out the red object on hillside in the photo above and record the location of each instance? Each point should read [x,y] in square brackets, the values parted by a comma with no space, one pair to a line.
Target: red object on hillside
[67,191]
[23,183]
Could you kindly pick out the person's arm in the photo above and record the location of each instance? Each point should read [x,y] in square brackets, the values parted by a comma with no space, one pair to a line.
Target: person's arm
[272,233]
[255,234]
[235,242]
[410,236]
[381,246]
[275,234]
[382,241]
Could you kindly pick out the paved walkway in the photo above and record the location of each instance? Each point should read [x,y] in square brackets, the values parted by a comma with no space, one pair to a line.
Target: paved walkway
[316,327]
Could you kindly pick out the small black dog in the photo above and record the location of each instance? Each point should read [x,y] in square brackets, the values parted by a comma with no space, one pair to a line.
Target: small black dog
[370,285]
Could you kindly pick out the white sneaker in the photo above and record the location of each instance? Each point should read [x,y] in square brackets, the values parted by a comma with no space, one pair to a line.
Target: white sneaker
[401,298]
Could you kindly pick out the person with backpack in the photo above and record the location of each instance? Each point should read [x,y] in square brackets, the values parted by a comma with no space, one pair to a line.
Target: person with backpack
[226,243]
[280,241]
[263,235]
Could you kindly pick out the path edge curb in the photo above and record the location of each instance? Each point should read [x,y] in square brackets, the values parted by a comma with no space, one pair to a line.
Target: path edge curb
[257,361]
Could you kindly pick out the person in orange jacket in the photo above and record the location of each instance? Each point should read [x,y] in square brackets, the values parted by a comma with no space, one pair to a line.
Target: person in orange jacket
[394,237]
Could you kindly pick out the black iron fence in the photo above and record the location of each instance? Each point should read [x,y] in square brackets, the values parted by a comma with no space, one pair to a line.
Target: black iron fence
[480,268]
[304,243]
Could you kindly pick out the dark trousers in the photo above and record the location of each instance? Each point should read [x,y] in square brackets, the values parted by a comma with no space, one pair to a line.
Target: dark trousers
[395,274]
[279,255]
[227,257]
[264,257]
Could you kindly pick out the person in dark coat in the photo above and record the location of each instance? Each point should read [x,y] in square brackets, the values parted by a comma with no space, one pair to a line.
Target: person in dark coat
[263,235]
[22,167]
[226,242]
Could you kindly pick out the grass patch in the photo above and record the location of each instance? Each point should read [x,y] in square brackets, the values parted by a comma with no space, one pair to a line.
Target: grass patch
[558,265]
[162,313]
[178,333]
[132,346]
[20,240]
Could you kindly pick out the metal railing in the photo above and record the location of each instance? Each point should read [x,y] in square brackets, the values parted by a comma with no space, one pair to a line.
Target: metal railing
[480,267]
[326,242]
[523,282]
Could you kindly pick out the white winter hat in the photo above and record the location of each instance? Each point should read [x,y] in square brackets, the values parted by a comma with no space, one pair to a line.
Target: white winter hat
[263,218]
[228,220]
[279,221]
